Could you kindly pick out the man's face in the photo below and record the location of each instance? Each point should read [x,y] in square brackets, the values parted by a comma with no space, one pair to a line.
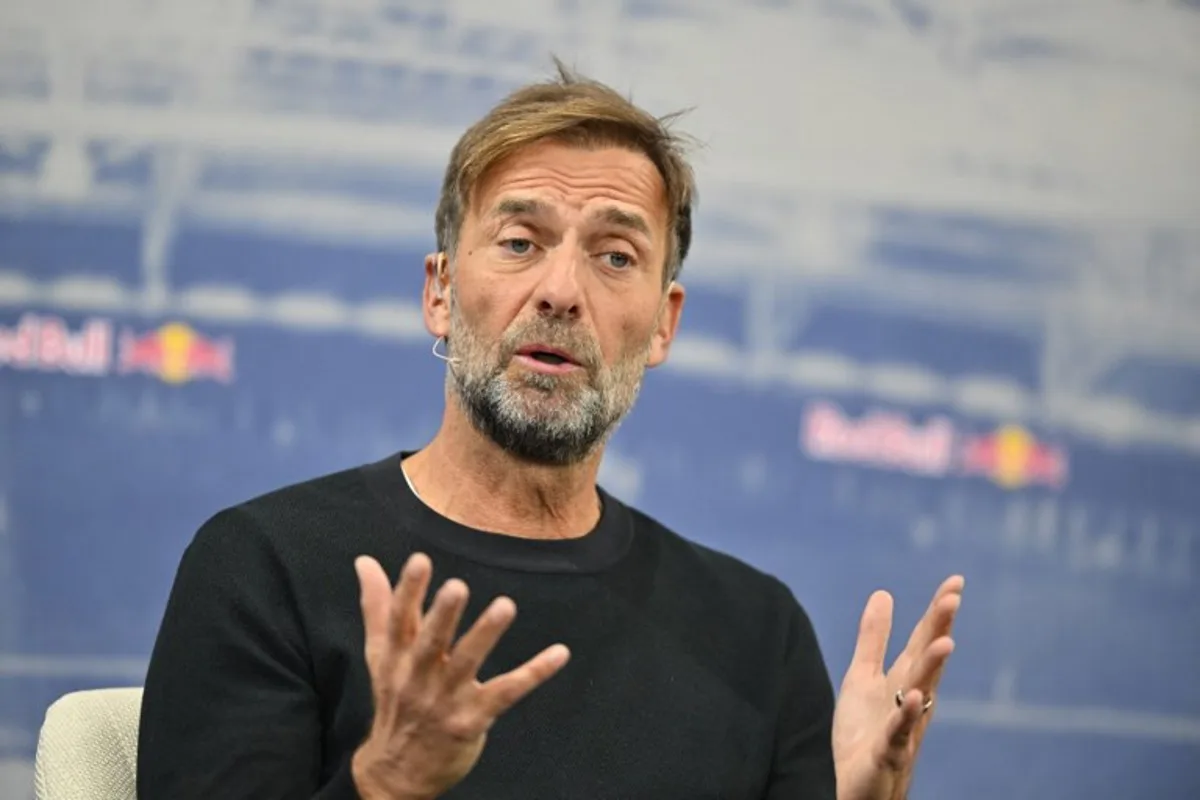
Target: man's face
[557,303]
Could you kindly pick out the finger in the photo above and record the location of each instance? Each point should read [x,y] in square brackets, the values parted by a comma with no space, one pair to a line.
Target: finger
[927,670]
[504,691]
[939,615]
[895,747]
[408,600]
[923,680]
[477,643]
[949,607]
[874,628]
[937,623]
[375,595]
[440,624]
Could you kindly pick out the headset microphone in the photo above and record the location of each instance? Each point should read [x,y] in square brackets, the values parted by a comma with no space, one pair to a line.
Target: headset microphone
[451,360]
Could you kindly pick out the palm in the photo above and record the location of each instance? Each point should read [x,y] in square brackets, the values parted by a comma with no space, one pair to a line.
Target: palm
[863,708]
[875,743]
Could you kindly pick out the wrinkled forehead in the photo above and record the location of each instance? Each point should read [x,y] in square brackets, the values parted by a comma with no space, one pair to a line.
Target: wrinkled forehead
[615,185]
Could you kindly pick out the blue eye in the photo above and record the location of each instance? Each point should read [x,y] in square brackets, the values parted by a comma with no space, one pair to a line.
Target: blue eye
[518,246]
[618,260]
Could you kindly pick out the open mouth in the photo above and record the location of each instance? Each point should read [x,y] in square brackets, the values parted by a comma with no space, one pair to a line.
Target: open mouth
[547,358]
[550,357]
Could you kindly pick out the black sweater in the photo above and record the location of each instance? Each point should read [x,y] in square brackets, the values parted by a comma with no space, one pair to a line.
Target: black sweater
[691,675]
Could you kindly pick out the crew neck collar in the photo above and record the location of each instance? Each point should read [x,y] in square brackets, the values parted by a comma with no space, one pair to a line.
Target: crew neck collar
[597,550]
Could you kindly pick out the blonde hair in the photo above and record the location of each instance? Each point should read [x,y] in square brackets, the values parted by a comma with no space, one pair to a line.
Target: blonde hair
[580,112]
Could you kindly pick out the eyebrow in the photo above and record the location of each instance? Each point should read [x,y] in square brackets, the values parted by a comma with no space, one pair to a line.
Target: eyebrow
[513,207]
[626,219]
[516,206]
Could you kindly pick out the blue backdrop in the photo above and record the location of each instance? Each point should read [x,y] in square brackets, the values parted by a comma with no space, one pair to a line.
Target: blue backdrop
[943,315]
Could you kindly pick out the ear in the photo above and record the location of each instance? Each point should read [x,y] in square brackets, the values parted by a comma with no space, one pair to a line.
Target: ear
[435,300]
[668,323]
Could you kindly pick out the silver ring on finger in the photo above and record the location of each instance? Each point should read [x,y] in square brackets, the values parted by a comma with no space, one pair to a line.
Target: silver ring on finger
[924,708]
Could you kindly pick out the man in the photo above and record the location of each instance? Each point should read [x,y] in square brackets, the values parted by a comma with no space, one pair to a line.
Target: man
[641,665]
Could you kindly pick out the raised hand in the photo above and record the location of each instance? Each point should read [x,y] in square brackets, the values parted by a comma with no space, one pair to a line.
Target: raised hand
[881,717]
[431,713]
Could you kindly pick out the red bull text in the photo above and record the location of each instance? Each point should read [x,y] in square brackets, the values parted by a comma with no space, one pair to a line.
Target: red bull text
[1010,456]
[47,344]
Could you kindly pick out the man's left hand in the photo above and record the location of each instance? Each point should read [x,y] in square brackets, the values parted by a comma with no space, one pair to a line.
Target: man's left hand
[875,738]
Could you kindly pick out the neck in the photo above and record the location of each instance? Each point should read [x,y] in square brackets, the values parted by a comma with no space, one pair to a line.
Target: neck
[466,477]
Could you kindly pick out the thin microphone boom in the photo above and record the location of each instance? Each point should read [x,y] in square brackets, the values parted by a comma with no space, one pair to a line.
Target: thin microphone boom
[448,359]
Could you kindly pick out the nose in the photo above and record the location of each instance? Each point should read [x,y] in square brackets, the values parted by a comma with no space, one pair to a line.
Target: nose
[559,293]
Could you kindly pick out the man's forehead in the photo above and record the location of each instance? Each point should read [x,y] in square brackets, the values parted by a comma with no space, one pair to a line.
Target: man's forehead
[601,210]
[551,177]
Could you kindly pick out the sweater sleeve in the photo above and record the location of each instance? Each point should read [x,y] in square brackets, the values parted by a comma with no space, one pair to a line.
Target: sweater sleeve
[802,763]
[229,708]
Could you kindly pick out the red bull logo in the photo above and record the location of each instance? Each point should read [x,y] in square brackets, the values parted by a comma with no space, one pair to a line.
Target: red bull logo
[175,353]
[1011,456]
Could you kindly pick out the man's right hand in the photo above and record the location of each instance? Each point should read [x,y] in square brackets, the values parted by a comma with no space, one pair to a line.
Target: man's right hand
[432,715]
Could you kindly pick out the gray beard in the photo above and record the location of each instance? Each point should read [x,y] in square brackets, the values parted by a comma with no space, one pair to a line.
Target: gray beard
[575,421]
[496,410]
